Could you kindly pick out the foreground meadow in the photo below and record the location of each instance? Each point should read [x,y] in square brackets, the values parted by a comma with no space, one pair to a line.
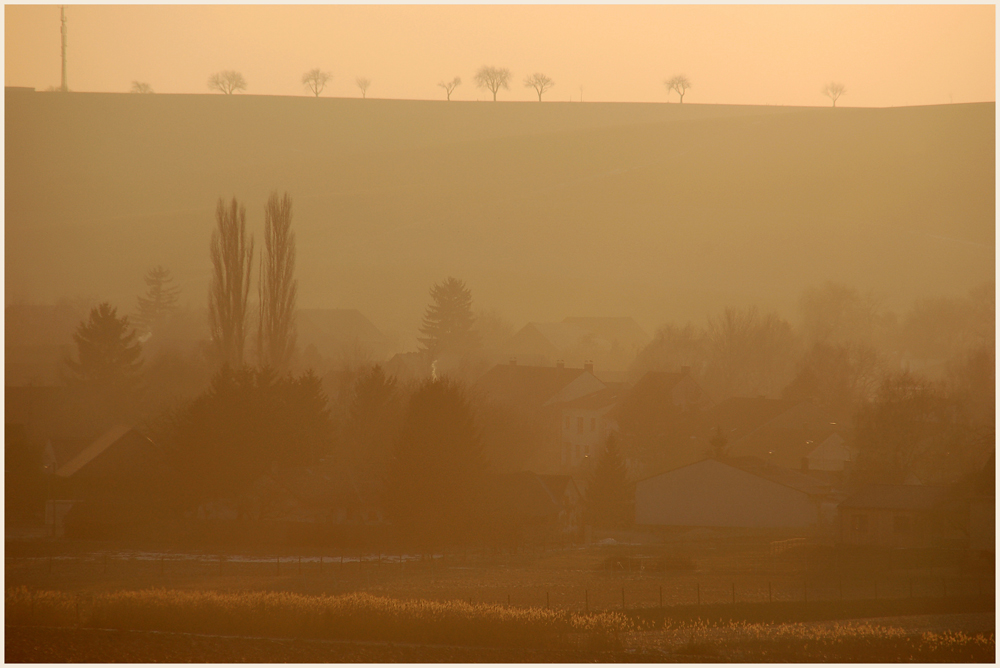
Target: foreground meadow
[268,626]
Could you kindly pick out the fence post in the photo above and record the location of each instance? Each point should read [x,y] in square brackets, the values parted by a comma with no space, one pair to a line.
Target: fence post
[769,592]
[321,563]
[220,564]
[300,565]
[697,588]
[161,565]
[277,565]
[50,563]
[734,593]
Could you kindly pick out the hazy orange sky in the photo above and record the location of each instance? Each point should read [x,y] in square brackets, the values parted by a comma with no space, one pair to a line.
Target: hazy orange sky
[886,55]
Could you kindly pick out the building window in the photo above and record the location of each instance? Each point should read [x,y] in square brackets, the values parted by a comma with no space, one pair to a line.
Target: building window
[859,523]
[593,424]
[901,524]
[579,425]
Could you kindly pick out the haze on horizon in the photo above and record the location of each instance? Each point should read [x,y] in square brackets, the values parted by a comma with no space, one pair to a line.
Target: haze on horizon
[886,55]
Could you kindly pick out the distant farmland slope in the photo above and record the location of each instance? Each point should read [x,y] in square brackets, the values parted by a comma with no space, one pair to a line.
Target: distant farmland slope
[660,211]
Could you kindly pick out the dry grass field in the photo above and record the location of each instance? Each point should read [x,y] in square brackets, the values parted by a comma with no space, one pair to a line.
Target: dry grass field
[551,606]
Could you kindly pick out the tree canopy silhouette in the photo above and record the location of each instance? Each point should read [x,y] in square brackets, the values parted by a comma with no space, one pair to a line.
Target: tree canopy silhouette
[277,286]
[438,472]
[232,256]
[679,83]
[607,502]
[539,82]
[107,350]
[248,421]
[450,86]
[160,300]
[834,90]
[447,326]
[363,83]
[315,80]
[227,82]
[493,79]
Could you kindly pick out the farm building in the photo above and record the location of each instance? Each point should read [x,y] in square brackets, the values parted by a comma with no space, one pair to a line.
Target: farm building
[893,516]
[730,493]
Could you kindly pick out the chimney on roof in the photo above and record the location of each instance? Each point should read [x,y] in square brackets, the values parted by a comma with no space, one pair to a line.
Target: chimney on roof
[588,366]
[685,370]
[513,361]
[560,364]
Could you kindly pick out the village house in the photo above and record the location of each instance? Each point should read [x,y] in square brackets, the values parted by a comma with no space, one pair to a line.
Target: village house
[610,344]
[551,396]
[894,516]
[733,494]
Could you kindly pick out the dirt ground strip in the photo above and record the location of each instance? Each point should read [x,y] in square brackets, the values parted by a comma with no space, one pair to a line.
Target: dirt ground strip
[60,645]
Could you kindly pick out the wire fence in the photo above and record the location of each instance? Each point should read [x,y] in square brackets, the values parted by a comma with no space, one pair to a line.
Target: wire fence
[463,576]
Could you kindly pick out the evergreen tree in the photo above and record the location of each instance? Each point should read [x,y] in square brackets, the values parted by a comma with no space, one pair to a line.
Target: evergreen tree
[107,350]
[607,504]
[373,417]
[437,472]
[160,300]
[447,326]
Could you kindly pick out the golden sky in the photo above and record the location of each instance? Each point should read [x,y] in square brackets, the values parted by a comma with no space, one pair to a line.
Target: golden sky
[886,55]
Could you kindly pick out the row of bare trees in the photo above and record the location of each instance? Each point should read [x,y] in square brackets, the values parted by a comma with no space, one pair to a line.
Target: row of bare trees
[488,77]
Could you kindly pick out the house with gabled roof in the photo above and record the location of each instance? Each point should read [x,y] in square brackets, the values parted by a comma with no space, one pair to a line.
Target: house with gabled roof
[895,516]
[551,396]
[733,494]
[788,433]
[610,344]
[334,331]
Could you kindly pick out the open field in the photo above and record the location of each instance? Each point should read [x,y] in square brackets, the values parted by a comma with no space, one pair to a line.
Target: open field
[525,202]
[660,608]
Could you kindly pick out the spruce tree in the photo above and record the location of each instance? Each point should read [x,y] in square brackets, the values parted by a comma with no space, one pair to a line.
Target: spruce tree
[447,326]
[160,300]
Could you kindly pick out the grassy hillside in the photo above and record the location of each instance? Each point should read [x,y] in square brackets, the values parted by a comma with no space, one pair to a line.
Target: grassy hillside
[660,211]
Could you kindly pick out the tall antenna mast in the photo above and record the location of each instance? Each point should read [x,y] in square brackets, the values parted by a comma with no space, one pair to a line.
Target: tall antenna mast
[62,30]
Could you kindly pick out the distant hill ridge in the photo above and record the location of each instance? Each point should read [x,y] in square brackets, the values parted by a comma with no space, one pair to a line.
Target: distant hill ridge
[658,211]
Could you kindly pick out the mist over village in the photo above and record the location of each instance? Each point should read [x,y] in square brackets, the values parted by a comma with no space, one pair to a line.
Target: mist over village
[314,362]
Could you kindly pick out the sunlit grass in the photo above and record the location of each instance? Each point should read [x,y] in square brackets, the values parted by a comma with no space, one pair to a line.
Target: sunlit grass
[839,641]
[355,616]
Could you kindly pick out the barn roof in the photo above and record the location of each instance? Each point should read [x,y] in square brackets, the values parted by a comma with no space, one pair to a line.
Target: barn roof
[896,497]
[92,451]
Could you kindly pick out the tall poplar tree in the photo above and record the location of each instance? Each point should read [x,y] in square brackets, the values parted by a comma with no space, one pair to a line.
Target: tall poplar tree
[277,286]
[232,256]
[447,326]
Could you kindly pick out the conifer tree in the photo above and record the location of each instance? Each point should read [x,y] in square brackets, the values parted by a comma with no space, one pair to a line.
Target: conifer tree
[160,300]
[447,326]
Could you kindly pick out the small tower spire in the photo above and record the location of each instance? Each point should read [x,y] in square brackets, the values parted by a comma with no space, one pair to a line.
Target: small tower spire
[62,30]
